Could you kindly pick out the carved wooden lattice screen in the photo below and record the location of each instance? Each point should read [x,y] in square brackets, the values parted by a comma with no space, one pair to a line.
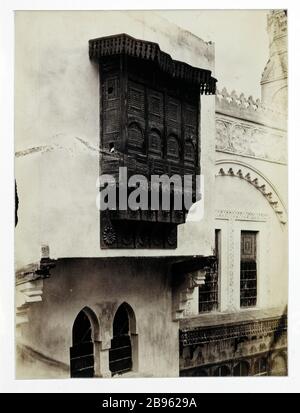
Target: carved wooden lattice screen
[149,118]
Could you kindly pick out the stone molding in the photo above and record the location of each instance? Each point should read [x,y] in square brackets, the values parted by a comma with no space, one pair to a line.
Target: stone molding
[200,334]
[241,215]
[124,44]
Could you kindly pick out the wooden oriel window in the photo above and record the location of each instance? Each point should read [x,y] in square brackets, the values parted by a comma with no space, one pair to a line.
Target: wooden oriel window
[150,118]
[209,292]
[248,269]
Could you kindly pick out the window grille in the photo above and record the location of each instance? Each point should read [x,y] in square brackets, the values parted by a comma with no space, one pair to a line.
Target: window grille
[248,270]
[208,293]
[261,367]
[82,351]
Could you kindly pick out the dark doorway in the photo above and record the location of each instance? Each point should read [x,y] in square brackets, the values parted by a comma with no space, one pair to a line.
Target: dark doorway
[120,354]
[261,367]
[222,371]
[82,352]
[241,369]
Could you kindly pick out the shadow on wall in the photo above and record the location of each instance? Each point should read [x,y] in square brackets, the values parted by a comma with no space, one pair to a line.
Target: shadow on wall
[278,365]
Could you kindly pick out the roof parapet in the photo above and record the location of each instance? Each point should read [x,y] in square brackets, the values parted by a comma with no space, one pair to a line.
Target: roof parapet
[249,109]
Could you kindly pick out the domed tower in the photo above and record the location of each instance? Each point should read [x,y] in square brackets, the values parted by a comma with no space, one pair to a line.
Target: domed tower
[274,77]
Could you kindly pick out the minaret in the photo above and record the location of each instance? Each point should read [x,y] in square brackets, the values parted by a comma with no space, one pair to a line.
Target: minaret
[274,77]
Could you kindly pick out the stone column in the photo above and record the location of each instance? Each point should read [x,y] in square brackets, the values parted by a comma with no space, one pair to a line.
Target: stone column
[102,358]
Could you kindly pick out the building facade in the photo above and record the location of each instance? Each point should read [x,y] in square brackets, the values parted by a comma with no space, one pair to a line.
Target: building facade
[102,296]
[243,321]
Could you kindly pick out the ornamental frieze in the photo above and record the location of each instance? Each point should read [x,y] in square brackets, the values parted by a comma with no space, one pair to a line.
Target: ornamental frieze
[250,140]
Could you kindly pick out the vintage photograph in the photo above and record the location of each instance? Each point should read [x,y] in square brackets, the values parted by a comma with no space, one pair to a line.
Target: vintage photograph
[151,193]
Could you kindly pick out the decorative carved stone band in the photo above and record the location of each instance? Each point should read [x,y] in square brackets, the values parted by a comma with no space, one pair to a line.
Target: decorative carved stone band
[200,334]
[124,44]
[240,215]
[244,138]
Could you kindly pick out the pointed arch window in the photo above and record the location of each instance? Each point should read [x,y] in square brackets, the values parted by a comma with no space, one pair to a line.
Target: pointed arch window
[241,369]
[82,350]
[123,351]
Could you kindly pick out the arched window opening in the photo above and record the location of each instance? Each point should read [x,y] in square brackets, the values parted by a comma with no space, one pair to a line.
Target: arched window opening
[155,144]
[121,351]
[241,369]
[135,139]
[261,367]
[189,152]
[173,150]
[82,351]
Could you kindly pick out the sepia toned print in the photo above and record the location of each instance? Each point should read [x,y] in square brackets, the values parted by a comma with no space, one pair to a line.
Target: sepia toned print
[140,288]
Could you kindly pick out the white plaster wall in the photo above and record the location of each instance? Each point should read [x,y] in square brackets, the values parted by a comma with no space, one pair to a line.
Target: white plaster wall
[275,94]
[102,286]
[57,129]
[239,198]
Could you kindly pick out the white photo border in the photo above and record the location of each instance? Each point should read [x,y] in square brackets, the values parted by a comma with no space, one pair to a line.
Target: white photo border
[8,383]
